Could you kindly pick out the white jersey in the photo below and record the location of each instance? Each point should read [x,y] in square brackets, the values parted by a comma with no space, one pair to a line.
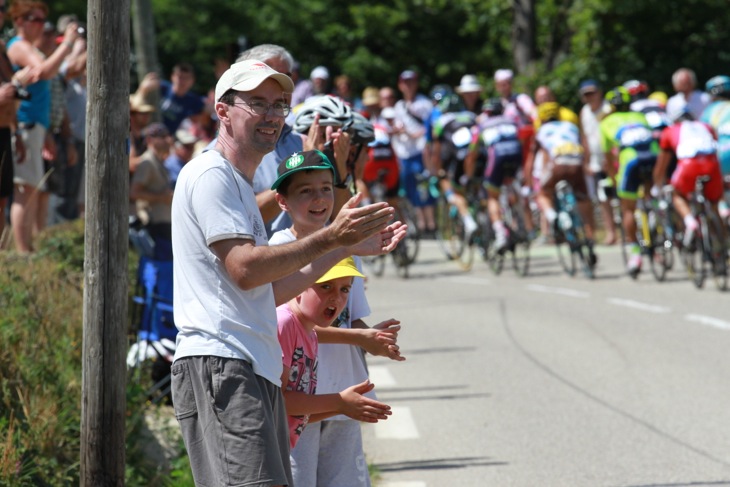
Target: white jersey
[562,142]
[213,202]
[695,139]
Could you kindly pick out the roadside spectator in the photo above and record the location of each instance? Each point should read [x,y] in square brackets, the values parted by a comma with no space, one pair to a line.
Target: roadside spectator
[409,143]
[177,100]
[470,91]
[30,199]
[150,189]
[371,103]
[182,152]
[343,89]
[228,282]
[387,97]
[592,112]
[140,116]
[317,84]
[684,82]
[8,98]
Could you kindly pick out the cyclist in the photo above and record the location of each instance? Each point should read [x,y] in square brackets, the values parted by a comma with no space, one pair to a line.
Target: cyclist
[564,159]
[694,145]
[717,115]
[452,135]
[518,106]
[656,115]
[498,140]
[631,151]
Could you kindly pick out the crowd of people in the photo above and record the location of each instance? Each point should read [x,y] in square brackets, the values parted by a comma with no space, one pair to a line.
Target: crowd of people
[259,193]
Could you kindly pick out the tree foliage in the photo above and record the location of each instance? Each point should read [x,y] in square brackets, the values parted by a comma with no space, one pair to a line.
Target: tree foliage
[610,40]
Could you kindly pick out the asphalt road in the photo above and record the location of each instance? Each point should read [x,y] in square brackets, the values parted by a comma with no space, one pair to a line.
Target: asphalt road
[550,380]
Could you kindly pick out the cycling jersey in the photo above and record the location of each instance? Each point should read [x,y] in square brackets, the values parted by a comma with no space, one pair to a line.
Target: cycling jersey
[630,135]
[382,163]
[453,130]
[499,141]
[717,115]
[562,141]
[694,144]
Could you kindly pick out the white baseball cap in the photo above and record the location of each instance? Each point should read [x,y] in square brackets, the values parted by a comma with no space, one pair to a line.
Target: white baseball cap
[319,72]
[503,75]
[249,74]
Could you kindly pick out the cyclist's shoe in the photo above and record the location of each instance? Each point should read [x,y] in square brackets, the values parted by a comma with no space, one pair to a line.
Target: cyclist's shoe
[501,239]
[592,257]
[470,226]
[634,265]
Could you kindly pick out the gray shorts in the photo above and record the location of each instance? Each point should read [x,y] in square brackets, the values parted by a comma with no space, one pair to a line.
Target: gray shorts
[233,423]
[329,454]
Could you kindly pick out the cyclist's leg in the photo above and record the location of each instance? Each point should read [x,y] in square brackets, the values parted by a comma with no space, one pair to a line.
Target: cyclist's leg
[447,186]
[683,180]
[628,181]
[493,179]
[604,204]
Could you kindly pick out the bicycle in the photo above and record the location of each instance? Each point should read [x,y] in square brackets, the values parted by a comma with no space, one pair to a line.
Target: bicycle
[406,251]
[654,233]
[707,252]
[513,206]
[450,233]
[570,237]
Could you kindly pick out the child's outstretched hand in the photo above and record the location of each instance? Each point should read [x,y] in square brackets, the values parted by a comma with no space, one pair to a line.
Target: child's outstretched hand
[356,406]
[387,336]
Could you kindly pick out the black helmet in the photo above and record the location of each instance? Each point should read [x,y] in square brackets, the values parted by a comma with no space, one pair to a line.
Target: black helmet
[493,106]
[438,92]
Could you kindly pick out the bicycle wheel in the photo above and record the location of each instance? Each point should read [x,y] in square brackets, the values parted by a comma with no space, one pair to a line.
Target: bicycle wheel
[449,229]
[400,258]
[716,247]
[413,235]
[565,254]
[660,251]
[375,264]
[519,240]
[693,257]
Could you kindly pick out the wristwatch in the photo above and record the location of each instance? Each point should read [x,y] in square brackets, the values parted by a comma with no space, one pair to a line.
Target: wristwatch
[346,183]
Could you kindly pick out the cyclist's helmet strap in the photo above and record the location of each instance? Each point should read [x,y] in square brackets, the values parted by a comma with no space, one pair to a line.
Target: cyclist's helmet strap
[718,86]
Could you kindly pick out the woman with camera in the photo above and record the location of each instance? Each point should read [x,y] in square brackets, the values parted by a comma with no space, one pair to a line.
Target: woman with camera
[28,212]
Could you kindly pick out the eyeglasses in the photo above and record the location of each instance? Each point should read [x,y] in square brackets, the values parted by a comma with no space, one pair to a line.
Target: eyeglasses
[262,107]
[33,18]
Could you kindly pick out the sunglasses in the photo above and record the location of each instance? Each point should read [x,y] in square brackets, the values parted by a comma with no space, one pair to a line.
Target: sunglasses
[33,18]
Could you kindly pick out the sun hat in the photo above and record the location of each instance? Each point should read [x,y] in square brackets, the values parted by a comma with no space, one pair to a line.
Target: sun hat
[299,161]
[249,74]
[319,72]
[503,75]
[344,268]
[370,96]
[138,105]
[469,84]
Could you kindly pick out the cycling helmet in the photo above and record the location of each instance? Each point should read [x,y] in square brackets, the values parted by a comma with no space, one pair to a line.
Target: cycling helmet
[333,112]
[637,89]
[718,86]
[679,113]
[361,130]
[493,107]
[619,98]
[438,92]
[451,103]
[548,111]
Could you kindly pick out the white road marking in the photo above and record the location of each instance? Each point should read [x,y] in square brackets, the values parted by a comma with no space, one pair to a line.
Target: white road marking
[399,426]
[470,280]
[558,290]
[709,321]
[381,377]
[651,308]
[402,484]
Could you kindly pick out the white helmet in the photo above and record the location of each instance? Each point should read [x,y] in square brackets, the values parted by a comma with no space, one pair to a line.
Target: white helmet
[333,112]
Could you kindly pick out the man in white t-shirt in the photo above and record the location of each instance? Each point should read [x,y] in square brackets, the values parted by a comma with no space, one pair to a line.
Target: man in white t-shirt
[684,82]
[228,281]
[594,109]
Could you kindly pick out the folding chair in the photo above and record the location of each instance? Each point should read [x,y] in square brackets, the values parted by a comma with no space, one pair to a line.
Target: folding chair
[156,332]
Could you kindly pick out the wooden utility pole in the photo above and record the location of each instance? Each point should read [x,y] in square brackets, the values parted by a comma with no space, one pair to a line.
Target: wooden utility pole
[145,48]
[103,399]
[523,34]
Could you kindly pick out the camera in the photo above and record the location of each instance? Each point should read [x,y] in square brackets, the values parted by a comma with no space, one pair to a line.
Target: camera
[21,93]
